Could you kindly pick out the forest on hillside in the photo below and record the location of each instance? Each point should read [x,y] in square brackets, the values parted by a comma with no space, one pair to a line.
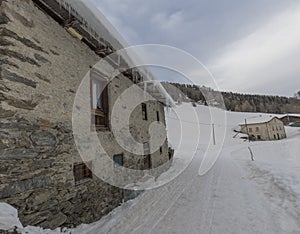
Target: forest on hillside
[233,101]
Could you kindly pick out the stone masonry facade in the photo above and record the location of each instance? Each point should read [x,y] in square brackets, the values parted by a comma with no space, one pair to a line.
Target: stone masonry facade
[41,67]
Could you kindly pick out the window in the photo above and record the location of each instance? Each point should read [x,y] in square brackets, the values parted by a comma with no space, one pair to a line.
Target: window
[170,153]
[257,129]
[258,137]
[118,160]
[160,150]
[136,77]
[147,156]
[157,116]
[99,103]
[144,111]
[250,129]
[146,148]
[97,100]
[273,128]
[82,172]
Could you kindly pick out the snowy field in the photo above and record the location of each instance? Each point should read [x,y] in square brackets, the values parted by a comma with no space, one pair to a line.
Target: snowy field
[236,195]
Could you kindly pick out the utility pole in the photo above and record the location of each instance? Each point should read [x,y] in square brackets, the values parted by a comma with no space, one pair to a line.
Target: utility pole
[213,132]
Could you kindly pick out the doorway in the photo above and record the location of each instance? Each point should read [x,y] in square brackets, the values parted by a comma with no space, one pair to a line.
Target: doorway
[147,156]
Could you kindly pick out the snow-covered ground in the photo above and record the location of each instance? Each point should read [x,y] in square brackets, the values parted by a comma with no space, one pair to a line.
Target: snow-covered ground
[236,195]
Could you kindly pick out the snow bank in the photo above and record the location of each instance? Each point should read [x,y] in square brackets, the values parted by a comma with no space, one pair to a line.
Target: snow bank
[9,217]
[9,221]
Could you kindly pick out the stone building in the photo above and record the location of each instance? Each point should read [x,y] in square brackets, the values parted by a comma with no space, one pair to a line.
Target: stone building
[264,128]
[290,118]
[46,49]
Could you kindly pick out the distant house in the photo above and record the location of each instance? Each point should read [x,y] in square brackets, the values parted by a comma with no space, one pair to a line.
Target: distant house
[290,118]
[264,128]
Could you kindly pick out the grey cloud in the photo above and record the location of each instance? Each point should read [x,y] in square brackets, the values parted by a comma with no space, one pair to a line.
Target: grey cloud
[212,31]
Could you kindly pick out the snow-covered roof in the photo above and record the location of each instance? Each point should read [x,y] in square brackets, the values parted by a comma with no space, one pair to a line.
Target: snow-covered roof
[259,120]
[99,26]
[290,115]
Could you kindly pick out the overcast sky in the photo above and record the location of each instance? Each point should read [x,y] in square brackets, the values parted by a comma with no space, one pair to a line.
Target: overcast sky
[249,46]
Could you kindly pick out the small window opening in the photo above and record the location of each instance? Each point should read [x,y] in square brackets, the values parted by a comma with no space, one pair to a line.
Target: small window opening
[144,111]
[82,171]
[118,160]
[258,137]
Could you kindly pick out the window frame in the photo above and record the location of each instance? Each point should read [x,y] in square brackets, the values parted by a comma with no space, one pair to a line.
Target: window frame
[157,116]
[97,113]
[82,172]
[147,155]
[122,160]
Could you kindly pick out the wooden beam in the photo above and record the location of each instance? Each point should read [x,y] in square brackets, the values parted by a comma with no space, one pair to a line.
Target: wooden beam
[42,5]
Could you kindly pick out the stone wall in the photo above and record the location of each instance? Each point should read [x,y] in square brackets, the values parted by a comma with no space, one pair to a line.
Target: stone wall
[41,67]
[36,176]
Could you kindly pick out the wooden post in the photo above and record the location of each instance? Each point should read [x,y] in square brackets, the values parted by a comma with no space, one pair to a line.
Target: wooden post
[251,153]
[213,132]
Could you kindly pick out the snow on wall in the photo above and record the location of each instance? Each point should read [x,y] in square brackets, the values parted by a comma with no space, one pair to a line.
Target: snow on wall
[9,217]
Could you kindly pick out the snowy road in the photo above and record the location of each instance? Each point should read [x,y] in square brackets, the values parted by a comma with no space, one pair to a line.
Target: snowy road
[222,201]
